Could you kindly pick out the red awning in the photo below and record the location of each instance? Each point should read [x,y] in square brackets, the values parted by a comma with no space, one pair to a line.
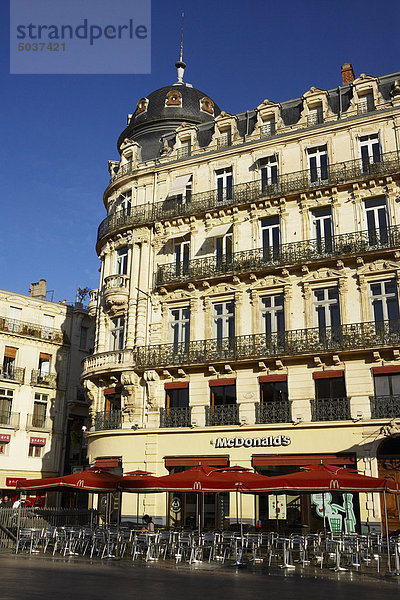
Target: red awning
[326,478]
[91,480]
[196,461]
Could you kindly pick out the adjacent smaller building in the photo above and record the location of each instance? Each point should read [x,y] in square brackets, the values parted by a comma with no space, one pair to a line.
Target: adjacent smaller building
[42,405]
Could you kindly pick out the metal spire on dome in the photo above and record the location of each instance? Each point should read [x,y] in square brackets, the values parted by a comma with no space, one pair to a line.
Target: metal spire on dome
[180,65]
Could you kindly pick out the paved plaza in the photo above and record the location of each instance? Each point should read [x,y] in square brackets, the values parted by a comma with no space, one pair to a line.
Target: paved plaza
[36,577]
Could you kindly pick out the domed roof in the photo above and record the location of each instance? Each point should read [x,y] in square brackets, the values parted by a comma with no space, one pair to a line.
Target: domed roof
[164,109]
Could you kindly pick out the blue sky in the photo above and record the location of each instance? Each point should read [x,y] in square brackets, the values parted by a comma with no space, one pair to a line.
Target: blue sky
[58,131]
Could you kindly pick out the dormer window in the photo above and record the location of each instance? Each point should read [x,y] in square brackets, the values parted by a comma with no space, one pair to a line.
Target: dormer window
[268,127]
[366,103]
[225,138]
[315,115]
[174,98]
[207,105]
[185,149]
[141,106]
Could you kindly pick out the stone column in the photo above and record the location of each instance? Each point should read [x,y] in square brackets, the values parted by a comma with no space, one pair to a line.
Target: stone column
[133,297]
[142,302]
[132,397]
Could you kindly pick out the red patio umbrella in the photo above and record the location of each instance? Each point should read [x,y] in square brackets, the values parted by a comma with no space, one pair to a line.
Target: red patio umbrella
[325,478]
[91,480]
[139,481]
[211,480]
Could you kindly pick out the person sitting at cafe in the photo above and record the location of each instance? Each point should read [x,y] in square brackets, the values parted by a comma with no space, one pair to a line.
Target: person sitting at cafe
[149,525]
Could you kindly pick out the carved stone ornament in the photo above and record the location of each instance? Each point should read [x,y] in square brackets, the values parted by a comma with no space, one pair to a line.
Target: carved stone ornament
[152,381]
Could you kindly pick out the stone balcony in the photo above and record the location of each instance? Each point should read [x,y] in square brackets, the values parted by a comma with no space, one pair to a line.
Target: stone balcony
[9,420]
[116,291]
[297,342]
[48,380]
[38,423]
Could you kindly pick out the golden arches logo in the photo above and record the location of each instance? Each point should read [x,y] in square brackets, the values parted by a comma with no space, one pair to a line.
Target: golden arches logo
[197,485]
[334,484]
[80,483]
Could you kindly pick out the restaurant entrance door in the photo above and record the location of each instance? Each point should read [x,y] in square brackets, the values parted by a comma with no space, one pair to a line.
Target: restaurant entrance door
[184,509]
[389,467]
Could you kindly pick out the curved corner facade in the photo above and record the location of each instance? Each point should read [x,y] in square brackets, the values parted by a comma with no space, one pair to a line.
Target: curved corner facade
[248,304]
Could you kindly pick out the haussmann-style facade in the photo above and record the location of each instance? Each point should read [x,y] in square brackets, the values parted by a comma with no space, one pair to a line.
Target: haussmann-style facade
[248,306]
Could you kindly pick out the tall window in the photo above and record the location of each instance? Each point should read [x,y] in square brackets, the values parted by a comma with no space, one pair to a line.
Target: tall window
[224,178]
[224,320]
[123,204]
[225,138]
[44,364]
[270,232]
[179,327]
[387,385]
[384,302]
[275,391]
[269,172]
[48,325]
[9,362]
[117,332]
[366,103]
[185,149]
[182,255]
[272,314]
[122,261]
[15,318]
[332,387]
[224,249]
[222,395]
[6,399]
[83,337]
[177,398]
[370,150]
[377,221]
[326,308]
[322,229]
[39,410]
[318,163]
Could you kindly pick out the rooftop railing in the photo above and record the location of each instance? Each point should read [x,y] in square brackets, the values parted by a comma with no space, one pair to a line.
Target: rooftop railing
[32,330]
[360,242]
[296,342]
[243,193]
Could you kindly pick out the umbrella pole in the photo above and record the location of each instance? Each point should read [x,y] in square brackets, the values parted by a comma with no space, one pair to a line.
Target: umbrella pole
[241,517]
[237,507]
[137,509]
[323,508]
[398,507]
[118,523]
[387,532]
[202,511]
[18,525]
[276,513]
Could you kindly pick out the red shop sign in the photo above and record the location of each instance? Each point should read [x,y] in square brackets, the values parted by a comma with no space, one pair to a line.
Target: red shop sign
[35,441]
[12,481]
[5,437]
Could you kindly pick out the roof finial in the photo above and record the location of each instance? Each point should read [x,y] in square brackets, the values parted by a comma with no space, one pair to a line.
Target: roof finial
[180,65]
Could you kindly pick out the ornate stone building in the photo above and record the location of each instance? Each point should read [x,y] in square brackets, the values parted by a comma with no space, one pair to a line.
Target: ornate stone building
[42,403]
[247,311]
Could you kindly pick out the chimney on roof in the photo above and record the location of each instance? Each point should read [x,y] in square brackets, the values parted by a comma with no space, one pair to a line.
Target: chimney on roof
[347,73]
[38,289]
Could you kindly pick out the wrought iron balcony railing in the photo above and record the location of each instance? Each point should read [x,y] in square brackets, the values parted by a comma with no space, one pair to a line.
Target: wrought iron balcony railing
[276,411]
[176,417]
[359,242]
[227,414]
[9,419]
[39,422]
[243,193]
[330,409]
[295,342]
[31,330]
[47,380]
[16,374]
[385,407]
[108,420]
